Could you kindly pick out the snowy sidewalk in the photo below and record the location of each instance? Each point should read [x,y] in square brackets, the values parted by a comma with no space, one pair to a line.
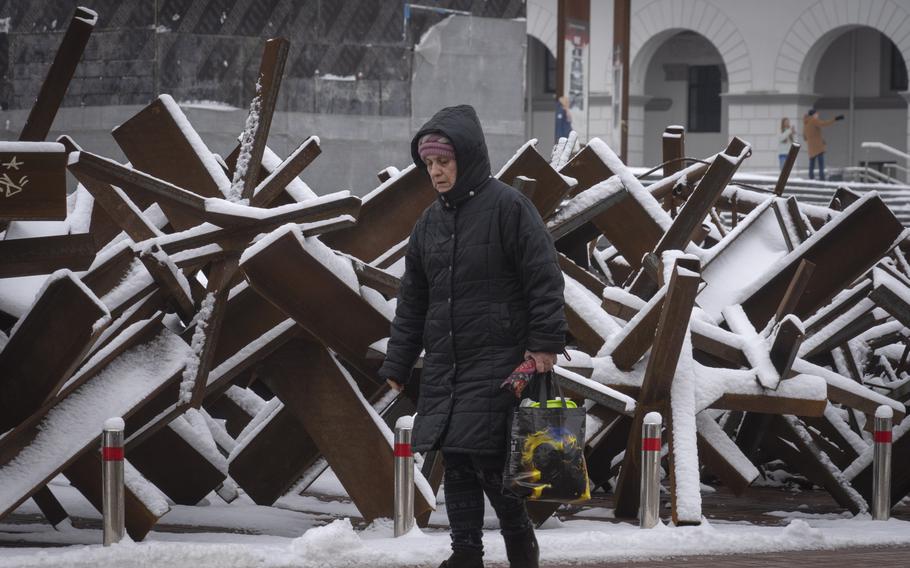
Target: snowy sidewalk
[891,557]
[769,527]
[574,542]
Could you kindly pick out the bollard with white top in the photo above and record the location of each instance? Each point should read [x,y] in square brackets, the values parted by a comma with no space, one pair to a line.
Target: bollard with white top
[881,464]
[649,513]
[404,476]
[112,480]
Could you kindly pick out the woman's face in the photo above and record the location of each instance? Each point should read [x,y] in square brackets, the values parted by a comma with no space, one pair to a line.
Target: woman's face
[443,172]
[786,124]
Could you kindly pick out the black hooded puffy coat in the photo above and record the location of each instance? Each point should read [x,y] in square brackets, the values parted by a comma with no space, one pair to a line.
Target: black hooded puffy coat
[482,284]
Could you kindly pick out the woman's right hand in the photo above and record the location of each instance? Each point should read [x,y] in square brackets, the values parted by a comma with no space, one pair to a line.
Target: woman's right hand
[394,385]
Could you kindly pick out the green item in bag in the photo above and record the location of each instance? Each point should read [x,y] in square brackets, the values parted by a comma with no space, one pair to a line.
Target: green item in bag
[555,403]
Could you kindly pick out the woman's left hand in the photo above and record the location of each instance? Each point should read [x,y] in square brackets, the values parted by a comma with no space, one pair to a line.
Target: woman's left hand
[544,361]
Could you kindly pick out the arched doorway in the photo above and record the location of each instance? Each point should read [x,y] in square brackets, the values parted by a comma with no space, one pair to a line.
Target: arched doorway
[540,93]
[681,83]
[859,72]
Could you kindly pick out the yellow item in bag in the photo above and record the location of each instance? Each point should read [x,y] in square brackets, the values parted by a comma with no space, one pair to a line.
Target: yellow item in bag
[555,403]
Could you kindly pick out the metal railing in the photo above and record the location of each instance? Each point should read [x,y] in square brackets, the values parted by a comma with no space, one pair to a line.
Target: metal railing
[885,148]
[894,169]
[865,174]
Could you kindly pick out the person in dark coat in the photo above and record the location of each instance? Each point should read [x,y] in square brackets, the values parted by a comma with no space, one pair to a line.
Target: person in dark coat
[482,291]
[563,118]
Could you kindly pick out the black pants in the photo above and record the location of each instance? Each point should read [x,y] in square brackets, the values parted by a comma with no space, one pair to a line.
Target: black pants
[467,478]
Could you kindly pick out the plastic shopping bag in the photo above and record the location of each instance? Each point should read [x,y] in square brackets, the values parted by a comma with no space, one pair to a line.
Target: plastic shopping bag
[546,459]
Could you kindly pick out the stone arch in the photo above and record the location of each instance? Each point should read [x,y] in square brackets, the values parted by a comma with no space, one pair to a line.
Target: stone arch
[661,19]
[823,22]
[541,22]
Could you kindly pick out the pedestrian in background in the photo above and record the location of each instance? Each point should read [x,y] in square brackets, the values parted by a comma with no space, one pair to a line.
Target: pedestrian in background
[482,292]
[812,133]
[563,118]
[785,138]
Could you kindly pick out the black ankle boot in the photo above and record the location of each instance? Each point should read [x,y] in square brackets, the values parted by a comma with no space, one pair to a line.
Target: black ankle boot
[464,559]
[522,550]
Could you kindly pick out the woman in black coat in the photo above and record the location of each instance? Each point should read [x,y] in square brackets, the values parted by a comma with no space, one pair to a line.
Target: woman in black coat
[482,291]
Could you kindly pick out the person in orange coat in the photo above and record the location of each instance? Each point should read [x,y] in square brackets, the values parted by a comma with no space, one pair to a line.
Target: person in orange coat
[812,133]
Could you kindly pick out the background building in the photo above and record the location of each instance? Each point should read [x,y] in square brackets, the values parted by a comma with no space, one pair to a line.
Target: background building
[364,74]
[736,67]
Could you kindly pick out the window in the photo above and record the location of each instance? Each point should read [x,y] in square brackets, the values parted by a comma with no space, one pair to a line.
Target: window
[704,98]
[898,70]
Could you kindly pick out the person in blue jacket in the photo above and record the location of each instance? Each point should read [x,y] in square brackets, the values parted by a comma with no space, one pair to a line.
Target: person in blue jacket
[563,118]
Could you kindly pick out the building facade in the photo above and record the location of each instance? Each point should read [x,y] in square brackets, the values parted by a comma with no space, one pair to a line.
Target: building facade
[737,67]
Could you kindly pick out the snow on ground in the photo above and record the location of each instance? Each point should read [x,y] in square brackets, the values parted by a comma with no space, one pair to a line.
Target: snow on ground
[315,530]
[339,544]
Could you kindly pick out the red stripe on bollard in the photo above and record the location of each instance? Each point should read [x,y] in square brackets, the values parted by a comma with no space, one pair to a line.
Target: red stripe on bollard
[403,451]
[112,454]
[882,437]
[650,444]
